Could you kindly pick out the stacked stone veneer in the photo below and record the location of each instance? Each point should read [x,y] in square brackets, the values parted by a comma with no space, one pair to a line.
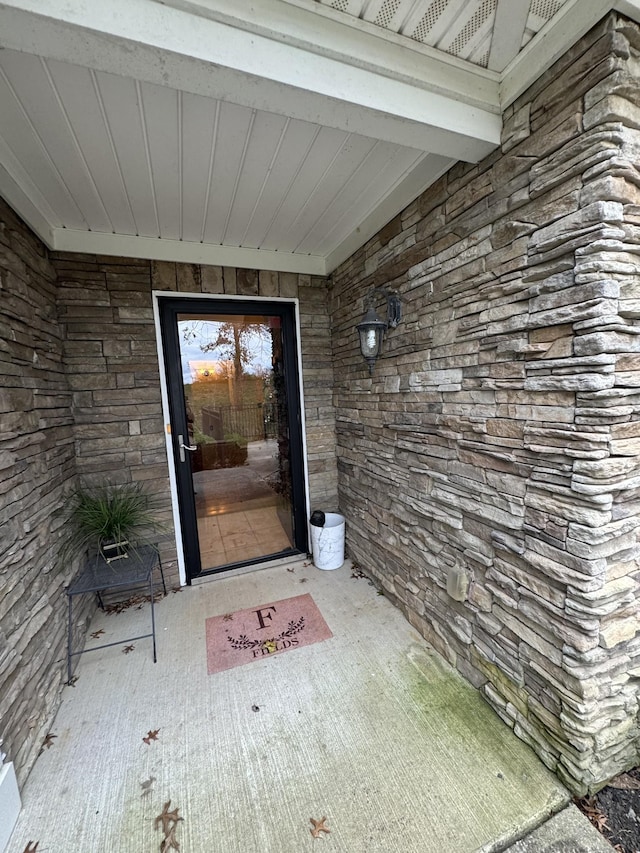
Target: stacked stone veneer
[80,402]
[112,364]
[36,464]
[496,446]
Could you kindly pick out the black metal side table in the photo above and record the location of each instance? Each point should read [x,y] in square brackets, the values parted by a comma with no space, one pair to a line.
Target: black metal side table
[98,576]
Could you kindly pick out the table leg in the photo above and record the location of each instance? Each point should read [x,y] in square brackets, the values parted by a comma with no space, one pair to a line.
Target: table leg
[153,616]
[164,586]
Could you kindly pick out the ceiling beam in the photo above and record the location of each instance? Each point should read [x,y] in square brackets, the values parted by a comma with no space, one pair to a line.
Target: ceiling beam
[322,30]
[153,42]
[508,30]
[183,251]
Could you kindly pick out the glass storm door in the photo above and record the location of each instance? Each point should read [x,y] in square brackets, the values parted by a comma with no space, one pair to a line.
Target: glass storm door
[236,430]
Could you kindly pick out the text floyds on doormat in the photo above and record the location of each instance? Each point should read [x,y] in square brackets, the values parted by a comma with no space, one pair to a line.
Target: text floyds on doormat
[258,632]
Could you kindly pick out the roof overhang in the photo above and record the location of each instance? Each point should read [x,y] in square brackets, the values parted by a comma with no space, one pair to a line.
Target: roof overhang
[298,60]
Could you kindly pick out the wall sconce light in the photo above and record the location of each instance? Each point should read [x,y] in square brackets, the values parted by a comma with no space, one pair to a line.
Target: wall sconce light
[371,329]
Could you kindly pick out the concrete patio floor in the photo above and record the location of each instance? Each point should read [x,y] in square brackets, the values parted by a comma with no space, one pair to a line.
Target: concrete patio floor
[369,728]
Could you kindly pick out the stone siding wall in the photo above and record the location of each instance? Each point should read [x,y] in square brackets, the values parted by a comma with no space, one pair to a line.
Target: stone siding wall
[80,398]
[112,368]
[36,463]
[489,469]
[112,365]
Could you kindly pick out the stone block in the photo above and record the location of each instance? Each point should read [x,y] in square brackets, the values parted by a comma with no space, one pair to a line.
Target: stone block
[612,108]
[229,277]
[268,284]
[618,631]
[516,127]
[212,279]
[188,278]
[288,285]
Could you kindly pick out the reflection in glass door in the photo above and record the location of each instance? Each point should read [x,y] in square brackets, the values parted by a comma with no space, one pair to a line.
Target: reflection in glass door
[235,405]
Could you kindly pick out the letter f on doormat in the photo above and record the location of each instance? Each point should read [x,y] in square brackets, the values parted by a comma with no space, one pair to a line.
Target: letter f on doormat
[259,632]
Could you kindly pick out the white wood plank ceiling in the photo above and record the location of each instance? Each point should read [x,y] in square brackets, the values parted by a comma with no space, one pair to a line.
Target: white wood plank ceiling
[110,154]
[278,135]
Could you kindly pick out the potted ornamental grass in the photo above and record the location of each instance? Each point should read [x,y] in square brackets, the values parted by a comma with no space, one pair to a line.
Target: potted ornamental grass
[108,520]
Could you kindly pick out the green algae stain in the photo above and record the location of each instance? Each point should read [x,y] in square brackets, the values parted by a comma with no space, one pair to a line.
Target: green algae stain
[466,726]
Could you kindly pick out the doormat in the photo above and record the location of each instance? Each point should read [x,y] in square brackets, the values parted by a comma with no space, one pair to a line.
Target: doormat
[259,632]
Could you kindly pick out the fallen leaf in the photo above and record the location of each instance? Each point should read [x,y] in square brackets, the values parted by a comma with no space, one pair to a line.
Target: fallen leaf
[127,649]
[291,570]
[601,822]
[228,617]
[151,735]
[169,842]
[167,819]
[625,782]
[590,808]
[121,606]
[97,634]
[303,580]
[135,601]
[146,785]
[31,847]
[318,827]
[48,741]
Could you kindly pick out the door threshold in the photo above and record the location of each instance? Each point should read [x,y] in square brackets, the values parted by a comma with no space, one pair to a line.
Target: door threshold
[253,567]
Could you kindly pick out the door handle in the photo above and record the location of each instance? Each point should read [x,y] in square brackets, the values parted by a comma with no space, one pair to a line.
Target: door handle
[183,447]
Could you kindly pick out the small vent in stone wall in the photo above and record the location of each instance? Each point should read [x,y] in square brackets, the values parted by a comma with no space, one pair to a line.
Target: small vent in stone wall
[434,11]
[386,13]
[472,26]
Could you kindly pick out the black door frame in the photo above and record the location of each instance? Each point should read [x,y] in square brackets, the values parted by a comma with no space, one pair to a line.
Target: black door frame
[169,307]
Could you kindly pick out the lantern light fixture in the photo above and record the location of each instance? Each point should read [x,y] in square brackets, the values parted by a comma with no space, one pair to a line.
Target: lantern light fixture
[371,329]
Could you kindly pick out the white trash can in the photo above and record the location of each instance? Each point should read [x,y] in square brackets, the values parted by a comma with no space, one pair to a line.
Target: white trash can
[327,542]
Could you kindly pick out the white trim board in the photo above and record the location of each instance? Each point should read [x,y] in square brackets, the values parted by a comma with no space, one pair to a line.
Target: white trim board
[182,251]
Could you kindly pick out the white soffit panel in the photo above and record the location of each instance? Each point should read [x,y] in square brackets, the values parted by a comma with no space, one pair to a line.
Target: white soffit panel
[123,160]
[217,137]
[457,27]
[278,134]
